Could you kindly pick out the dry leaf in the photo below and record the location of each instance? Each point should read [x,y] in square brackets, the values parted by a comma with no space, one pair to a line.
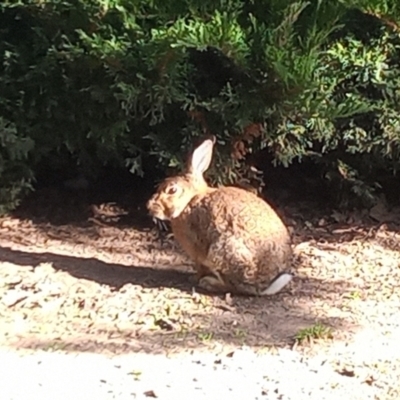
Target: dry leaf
[150,393]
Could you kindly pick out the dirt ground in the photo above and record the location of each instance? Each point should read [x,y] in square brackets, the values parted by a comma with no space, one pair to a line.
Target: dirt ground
[99,278]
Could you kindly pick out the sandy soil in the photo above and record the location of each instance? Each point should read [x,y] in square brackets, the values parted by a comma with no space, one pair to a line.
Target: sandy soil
[103,280]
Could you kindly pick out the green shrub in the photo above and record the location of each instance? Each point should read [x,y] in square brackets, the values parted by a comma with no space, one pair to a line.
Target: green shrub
[118,83]
[15,175]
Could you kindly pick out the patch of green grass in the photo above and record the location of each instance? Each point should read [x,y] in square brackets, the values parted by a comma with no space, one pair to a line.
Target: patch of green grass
[136,374]
[240,333]
[205,336]
[315,332]
[355,295]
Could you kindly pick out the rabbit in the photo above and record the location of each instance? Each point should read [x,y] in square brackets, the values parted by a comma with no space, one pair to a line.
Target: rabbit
[238,243]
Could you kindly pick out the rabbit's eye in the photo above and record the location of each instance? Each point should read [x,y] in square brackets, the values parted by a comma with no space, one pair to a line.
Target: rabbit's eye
[172,190]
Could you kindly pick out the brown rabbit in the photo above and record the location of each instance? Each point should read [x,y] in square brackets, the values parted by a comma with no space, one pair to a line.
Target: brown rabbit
[237,241]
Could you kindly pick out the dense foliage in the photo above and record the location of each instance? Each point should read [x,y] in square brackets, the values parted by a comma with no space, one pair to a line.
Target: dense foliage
[86,83]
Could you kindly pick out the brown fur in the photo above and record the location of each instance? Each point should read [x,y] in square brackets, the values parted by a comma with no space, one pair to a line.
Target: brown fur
[237,241]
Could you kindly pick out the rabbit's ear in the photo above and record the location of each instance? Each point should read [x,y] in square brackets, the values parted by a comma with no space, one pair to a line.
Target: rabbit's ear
[201,157]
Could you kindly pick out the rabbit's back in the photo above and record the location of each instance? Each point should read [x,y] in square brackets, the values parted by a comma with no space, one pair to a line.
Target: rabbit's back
[241,212]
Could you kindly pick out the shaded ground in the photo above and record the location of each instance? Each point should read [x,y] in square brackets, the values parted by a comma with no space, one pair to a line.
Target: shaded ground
[99,278]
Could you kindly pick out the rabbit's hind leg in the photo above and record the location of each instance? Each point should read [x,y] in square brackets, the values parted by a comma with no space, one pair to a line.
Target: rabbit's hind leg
[264,289]
[200,272]
[214,283]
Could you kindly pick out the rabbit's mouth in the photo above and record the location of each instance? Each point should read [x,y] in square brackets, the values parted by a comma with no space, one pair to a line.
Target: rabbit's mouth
[158,214]
[156,211]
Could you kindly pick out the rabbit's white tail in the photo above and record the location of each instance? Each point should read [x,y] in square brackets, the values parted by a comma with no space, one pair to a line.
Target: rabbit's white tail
[278,283]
